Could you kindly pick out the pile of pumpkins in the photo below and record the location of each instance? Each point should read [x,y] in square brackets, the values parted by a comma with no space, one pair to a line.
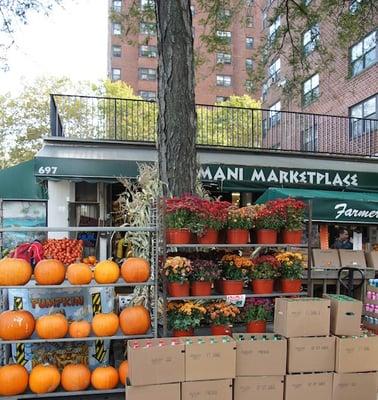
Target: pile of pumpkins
[45,378]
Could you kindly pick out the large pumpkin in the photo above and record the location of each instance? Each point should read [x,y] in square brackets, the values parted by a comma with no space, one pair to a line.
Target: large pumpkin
[14,272]
[79,329]
[135,320]
[135,270]
[75,377]
[104,378]
[123,371]
[44,378]
[52,326]
[16,325]
[106,272]
[13,380]
[105,324]
[79,274]
[49,272]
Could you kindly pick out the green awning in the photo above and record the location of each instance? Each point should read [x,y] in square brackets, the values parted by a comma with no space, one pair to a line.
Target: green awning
[332,206]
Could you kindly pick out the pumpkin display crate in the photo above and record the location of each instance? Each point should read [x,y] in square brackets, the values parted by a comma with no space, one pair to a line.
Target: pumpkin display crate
[49,339]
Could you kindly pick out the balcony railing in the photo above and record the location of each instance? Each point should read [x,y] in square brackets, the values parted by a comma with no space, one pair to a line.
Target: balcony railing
[115,119]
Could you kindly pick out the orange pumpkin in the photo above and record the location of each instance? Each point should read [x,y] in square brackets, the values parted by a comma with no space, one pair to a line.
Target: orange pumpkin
[16,325]
[123,371]
[52,326]
[79,274]
[105,324]
[49,272]
[13,380]
[44,378]
[104,378]
[135,320]
[106,272]
[75,377]
[135,270]
[92,260]
[79,329]
[14,272]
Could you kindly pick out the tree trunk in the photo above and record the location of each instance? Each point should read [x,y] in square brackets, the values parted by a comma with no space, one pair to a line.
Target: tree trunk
[177,121]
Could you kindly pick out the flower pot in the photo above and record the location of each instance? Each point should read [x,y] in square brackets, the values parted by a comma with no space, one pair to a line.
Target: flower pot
[200,288]
[291,237]
[221,330]
[177,289]
[182,333]
[256,326]
[232,287]
[262,286]
[237,236]
[291,285]
[218,285]
[209,236]
[266,236]
[178,236]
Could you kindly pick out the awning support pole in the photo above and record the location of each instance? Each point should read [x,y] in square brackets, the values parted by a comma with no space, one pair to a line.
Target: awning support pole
[309,250]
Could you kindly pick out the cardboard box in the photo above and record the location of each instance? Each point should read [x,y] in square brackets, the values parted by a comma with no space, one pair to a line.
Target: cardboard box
[309,387]
[156,361]
[209,358]
[170,391]
[356,354]
[311,354]
[354,386]
[326,259]
[265,355]
[302,317]
[345,315]
[352,258]
[259,387]
[207,390]
[372,259]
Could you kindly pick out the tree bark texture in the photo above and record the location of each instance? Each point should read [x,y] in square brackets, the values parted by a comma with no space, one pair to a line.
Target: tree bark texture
[177,122]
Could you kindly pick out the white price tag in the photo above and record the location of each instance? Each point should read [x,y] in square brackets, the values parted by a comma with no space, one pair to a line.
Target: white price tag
[237,299]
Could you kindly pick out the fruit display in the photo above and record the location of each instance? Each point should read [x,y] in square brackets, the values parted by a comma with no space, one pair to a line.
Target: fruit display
[13,380]
[16,325]
[106,271]
[75,377]
[65,250]
[123,371]
[49,272]
[44,378]
[79,329]
[105,324]
[79,274]
[104,378]
[135,320]
[14,272]
[53,326]
[135,270]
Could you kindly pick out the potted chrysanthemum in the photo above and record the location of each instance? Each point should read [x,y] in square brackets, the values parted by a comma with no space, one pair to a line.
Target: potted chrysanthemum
[184,316]
[221,315]
[291,271]
[177,271]
[263,273]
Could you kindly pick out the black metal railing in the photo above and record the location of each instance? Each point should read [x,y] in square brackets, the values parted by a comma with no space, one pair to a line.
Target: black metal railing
[107,118]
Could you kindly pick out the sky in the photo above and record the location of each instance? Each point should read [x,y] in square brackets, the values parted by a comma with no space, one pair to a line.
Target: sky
[71,41]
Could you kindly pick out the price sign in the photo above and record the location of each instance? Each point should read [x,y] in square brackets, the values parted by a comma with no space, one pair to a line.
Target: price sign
[237,299]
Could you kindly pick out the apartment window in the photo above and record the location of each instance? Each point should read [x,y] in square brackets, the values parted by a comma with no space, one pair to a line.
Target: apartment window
[223,58]
[311,90]
[221,99]
[224,80]
[225,14]
[309,140]
[248,63]
[147,28]
[264,91]
[249,42]
[147,74]
[274,114]
[249,22]
[354,5]
[310,39]
[273,29]
[249,3]
[193,10]
[116,50]
[248,85]
[363,54]
[116,74]
[117,5]
[117,29]
[225,36]
[306,2]
[366,109]
[147,4]
[148,51]
[265,19]
[274,71]
[146,95]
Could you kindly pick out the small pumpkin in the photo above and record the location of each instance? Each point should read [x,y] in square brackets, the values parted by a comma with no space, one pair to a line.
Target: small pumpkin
[14,272]
[53,326]
[44,378]
[135,320]
[106,272]
[79,329]
[75,377]
[135,270]
[104,378]
[13,380]
[79,274]
[49,272]
[16,325]
[123,371]
[105,324]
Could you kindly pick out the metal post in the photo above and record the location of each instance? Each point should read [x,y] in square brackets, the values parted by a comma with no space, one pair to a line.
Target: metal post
[309,250]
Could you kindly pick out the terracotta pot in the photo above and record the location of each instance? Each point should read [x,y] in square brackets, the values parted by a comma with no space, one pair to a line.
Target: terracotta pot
[221,330]
[177,289]
[262,286]
[179,236]
[232,287]
[291,285]
[256,326]
[210,236]
[200,288]
[237,236]
[266,236]
[182,333]
[291,237]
